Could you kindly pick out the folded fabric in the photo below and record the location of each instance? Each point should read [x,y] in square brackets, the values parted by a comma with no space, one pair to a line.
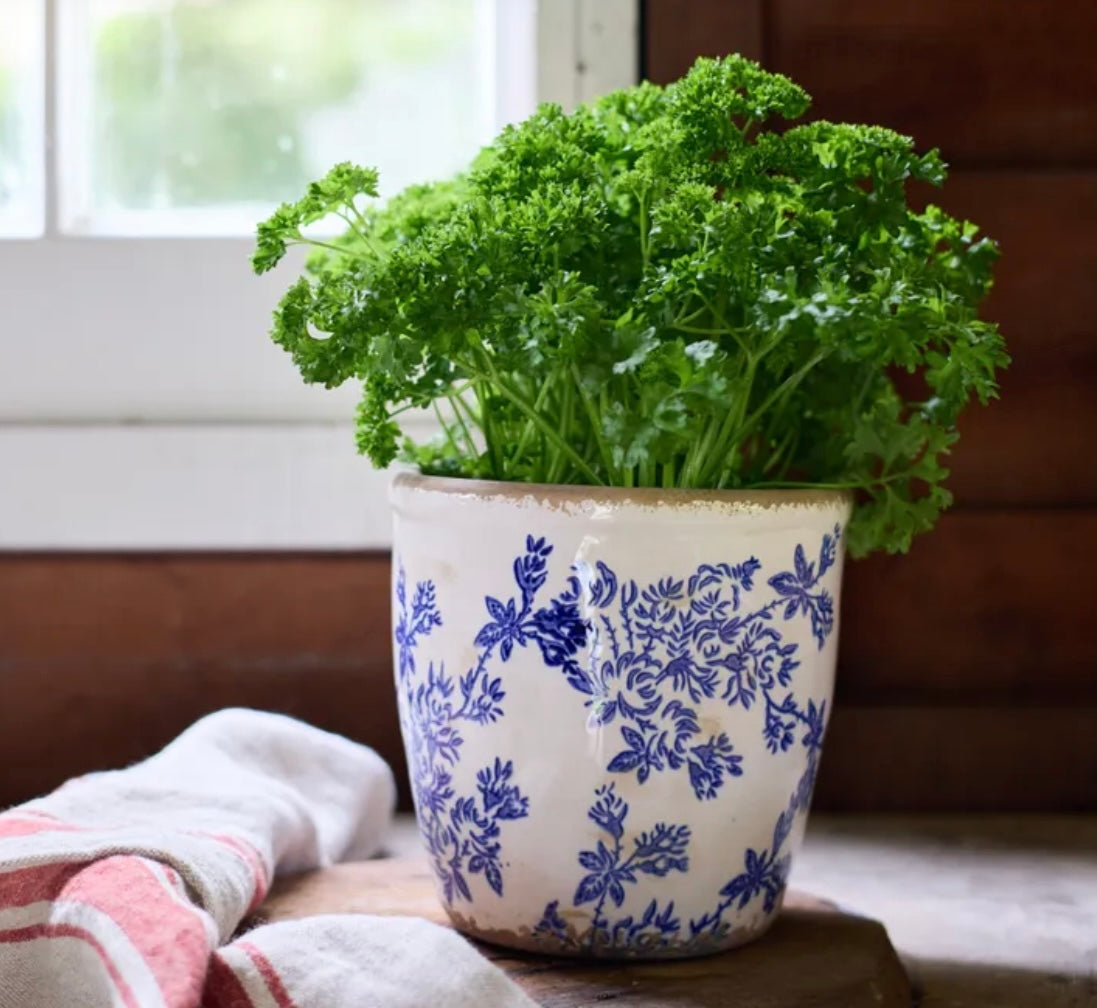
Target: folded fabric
[357,962]
[116,889]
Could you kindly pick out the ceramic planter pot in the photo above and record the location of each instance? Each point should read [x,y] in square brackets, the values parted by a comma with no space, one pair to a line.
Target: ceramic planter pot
[613,703]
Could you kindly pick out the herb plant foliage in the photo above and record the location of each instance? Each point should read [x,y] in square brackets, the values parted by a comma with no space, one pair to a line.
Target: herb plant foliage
[658,289]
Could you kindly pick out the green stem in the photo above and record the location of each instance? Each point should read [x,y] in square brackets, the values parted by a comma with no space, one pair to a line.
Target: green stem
[781,449]
[720,452]
[698,331]
[668,473]
[595,423]
[496,380]
[446,429]
[783,389]
[529,428]
[558,466]
[454,399]
[644,252]
[302,240]
[482,390]
[698,454]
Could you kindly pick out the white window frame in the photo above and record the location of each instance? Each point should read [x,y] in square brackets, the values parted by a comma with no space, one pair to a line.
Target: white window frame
[192,463]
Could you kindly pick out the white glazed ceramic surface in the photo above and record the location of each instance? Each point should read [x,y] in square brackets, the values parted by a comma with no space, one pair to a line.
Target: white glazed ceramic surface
[613,704]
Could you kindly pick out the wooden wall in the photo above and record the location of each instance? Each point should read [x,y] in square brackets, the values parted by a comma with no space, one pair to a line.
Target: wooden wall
[977,650]
[966,676]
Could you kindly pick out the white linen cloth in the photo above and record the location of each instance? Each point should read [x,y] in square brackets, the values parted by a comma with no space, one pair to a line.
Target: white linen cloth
[124,889]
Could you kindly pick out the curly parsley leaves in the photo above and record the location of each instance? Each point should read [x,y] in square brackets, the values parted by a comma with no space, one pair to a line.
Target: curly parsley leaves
[658,290]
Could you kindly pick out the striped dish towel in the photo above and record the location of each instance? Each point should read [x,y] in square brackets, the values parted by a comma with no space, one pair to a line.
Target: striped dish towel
[124,889]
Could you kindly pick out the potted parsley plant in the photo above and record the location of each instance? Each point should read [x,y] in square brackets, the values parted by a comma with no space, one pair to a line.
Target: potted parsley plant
[661,338]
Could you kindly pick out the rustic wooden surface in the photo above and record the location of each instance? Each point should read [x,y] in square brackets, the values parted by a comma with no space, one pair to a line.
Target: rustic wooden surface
[986,911]
[991,83]
[813,956]
[677,33]
[987,82]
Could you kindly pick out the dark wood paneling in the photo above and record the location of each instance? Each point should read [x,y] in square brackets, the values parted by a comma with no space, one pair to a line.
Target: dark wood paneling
[105,659]
[676,33]
[959,759]
[1046,225]
[1027,447]
[987,81]
[1032,446]
[990,607]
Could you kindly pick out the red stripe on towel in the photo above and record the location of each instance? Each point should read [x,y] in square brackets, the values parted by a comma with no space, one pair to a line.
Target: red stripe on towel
[255,862]
[223,987]
[269,974]
[23,886]
[37,931]
[17,824]
[170,936]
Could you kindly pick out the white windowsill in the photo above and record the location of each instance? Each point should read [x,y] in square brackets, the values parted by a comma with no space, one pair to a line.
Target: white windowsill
[194,486]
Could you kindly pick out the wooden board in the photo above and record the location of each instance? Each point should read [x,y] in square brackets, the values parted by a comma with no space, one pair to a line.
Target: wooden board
[981,611]
[1029,447]
[931,757]
[676,33]
[814,956]
[988,82]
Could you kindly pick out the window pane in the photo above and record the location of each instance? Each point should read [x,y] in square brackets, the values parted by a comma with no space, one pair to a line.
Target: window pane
[21,103]
[198,116]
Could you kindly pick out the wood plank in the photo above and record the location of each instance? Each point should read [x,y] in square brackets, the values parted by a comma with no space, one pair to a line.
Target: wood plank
[1025,448]
[987,608]
[1044,222]
[106,658]
[675,34]
[814,954]
[988,83]
[959,759]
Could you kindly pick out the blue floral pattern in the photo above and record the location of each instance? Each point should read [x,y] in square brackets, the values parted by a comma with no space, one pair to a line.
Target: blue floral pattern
[462,832]
[645,656]
[765,872]
[659,852]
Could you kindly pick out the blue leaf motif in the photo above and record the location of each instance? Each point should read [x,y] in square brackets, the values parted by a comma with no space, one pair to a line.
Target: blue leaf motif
[805,572]
[589,890]
[494,877]
[625,761]
[785,584]
[611,869]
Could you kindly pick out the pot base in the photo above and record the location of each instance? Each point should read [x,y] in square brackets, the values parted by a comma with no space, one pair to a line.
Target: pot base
[581,945]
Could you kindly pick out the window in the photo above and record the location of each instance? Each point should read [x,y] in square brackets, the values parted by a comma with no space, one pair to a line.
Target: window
[21,119]
[140,140]
[192,117]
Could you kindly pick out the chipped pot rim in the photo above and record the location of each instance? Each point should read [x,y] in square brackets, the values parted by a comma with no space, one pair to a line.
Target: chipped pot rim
[567,495]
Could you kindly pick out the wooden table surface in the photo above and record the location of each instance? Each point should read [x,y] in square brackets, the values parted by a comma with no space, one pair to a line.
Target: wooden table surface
[984,910]
[814,956]
[987,911]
